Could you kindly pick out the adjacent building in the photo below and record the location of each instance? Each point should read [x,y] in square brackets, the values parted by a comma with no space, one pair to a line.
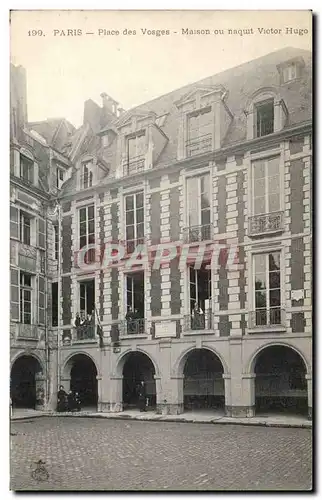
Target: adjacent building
[184,235]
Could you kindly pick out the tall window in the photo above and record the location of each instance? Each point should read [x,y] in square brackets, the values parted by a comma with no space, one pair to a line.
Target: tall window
[87,174]
[87,296]
[200,131]
[87,231]
[25,228]
[54,300]
[264,114]
[56,241]
[199,208]
[26,169]
[267,288]
[200,298]
[266,186]
[25,298]
[134,220]
[135,294]
[136,151]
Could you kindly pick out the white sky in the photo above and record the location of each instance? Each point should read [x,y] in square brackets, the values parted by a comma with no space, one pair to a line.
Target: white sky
[62,71]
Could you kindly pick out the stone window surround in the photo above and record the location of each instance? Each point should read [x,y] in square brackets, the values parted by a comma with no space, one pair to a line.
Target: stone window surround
[259,96]
[251,289]
[84,204]
[33,225]
[122,286]
[80,164]
[123,192]
[34,301]
[195,173]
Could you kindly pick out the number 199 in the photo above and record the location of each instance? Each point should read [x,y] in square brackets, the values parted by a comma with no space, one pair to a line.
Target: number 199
[35,33]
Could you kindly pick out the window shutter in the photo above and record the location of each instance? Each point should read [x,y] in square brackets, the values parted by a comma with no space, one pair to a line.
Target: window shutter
[41,233]
[14,294]
[14,222]
[41,300]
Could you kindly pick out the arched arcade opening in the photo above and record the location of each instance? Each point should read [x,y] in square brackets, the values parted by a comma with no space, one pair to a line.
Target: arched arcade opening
[280,383]
[26,383]
[138,368]
[203,383]
[83,379]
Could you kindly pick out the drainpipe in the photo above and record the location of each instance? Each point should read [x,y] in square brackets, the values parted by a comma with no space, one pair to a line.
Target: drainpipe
[59,296]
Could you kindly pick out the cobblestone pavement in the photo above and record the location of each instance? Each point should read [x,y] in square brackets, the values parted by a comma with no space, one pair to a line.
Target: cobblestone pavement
[99,454]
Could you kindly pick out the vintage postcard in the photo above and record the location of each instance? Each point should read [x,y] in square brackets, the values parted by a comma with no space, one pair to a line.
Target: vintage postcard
[161,250]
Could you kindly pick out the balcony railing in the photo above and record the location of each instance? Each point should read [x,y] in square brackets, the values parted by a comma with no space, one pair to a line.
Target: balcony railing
[85,332]
[134,165]
[29,332]
[198,233]
[197,321]
[266,318]
[132,327]
[199,145]
[266,223]
[264,126]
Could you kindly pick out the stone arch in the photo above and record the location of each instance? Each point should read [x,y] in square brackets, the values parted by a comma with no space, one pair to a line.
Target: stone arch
[32,355]
[178,367]
[68,363]
[251,362]
[27,381]
[123,358]
[260,94]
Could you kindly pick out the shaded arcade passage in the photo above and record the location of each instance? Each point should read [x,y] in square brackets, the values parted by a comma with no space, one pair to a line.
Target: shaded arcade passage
[280,384]
[138,367]
[23,385]
[83,379]
[203,385]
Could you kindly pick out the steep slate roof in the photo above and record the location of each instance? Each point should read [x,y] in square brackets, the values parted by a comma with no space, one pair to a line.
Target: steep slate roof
[240,82]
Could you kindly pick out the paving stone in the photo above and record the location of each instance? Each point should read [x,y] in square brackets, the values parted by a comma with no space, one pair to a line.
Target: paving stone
[106,454]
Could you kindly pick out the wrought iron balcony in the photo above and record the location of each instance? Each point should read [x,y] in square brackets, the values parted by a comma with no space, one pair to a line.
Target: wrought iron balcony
[28,332]
[132,327]
[134,165]
[266,223]
[198,233]
[198,321]
[84,332]
[266,318]
[199,145]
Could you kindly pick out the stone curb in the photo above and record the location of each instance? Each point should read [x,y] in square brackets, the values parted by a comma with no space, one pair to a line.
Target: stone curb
[161,419]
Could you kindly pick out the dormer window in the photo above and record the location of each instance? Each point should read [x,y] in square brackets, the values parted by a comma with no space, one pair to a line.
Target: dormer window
[290,72]
[264,122]
[60,177]
[136,153]
[199,131]
[86,175]
[26,169]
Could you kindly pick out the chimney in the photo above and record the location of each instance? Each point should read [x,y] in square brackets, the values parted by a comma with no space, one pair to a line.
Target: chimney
[109,104]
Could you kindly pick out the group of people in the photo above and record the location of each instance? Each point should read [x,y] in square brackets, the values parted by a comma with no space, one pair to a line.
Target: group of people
[197,318]
[84,324]
[68,401]
[132,321]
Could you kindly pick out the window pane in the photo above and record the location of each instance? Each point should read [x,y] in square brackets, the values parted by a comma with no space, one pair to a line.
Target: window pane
[274,261]
[259,206]
[130,217]
[140,230]
[259,170]
[260,263]
[260,281]
[82,214]
[205,202]
[132,147]
[260,299]
[91,238]
[140,215]
[139,200]
[273,202]
[275,279]
[130,233]
[82,229]
[273,166]
[274,184]
[129,202]
[91,212]
[91,226]
[205,217]
[192,275]
[275,298]
[261,317]
[82,241]
[259,187]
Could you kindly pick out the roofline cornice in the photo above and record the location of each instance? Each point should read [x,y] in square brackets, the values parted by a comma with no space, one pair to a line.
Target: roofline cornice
[200,160]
